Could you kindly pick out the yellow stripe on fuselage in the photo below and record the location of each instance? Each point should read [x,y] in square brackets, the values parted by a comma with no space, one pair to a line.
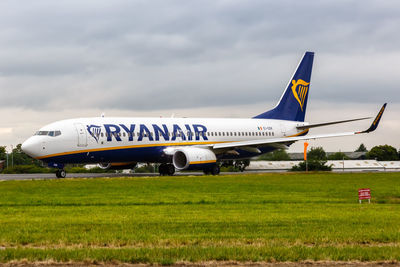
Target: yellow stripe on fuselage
[127,147]
[203,162]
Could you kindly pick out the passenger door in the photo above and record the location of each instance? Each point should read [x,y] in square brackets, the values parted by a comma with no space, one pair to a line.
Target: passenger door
[82,135]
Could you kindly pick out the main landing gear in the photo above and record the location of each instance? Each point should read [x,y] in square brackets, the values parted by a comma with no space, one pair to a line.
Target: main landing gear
[214,170]
[166,169]
[61,173]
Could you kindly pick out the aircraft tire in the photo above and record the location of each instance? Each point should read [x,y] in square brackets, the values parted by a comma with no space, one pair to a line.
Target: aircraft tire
[61,173]
[162,169]
[207,171]
[215,170]
[170,169]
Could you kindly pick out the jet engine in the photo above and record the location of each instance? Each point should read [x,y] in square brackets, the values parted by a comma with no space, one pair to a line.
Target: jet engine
[193,158]
[117,166]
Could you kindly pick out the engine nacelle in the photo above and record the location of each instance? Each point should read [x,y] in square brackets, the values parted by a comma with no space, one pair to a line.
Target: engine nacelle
[117,166]
[193,158]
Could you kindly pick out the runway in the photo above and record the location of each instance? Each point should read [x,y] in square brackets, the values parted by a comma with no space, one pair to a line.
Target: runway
[47,176]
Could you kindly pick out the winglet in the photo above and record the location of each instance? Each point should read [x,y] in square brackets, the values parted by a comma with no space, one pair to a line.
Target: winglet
[375,123]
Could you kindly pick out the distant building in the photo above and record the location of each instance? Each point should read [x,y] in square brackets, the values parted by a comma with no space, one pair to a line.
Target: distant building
[350,155]
[2,164]
[337,165]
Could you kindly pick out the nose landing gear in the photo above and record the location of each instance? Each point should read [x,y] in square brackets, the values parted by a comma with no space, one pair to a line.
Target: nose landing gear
[61,173]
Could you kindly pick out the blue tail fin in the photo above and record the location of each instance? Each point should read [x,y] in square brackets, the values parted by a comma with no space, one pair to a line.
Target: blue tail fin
[293,103]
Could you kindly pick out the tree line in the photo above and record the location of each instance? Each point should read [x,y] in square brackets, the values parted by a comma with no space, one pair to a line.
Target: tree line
[381,153]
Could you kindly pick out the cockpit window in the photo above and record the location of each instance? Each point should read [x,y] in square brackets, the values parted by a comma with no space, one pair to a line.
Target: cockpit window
[49,133]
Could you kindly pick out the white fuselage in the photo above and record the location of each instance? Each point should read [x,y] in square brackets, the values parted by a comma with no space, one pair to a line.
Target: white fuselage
[95,140]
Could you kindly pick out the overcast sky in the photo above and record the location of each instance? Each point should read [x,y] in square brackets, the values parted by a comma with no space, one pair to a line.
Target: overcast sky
[64,59]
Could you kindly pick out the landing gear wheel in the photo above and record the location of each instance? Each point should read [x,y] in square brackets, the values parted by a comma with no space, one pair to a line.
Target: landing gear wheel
[162,169]
[206,171]
[215,170]
[170,169]
[61,173]
[166,169]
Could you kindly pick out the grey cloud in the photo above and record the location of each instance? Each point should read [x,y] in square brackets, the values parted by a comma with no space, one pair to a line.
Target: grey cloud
[178,54]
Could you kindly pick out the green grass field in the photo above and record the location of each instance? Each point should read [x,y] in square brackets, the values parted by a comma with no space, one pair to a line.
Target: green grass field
[255,217]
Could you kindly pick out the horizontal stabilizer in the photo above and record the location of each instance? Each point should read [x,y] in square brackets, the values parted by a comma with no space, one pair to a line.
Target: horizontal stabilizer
[328,123]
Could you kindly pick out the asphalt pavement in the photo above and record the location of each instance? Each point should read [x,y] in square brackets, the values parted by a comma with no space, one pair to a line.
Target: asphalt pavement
[46,176]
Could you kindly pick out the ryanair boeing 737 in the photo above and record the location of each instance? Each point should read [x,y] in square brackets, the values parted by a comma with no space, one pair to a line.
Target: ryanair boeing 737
[182,143]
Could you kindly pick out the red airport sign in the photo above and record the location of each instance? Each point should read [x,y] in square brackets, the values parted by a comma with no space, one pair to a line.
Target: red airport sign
[364,193]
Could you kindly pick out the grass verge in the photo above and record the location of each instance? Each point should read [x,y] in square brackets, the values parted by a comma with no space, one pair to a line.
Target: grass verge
[262,217]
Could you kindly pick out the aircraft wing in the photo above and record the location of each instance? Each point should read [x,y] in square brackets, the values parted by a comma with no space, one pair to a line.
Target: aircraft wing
[265,142]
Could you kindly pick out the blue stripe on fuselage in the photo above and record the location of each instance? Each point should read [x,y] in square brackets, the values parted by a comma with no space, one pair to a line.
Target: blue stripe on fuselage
[139,154]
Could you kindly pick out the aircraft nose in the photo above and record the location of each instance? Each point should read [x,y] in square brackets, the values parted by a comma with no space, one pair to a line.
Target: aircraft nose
[30,147]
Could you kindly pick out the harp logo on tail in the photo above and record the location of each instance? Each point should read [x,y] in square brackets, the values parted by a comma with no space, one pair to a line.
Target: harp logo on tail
[300,89]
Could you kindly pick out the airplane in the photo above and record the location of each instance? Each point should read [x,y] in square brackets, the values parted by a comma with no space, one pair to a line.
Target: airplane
[183,143]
